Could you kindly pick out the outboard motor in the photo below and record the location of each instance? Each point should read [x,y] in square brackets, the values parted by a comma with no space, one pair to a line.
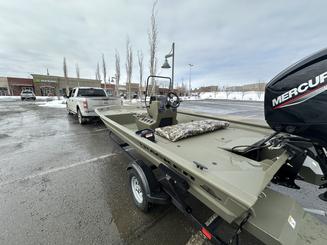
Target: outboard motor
[296,104]
[296,99]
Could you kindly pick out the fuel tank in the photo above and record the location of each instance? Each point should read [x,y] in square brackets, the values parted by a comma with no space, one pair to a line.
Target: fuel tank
[296,99]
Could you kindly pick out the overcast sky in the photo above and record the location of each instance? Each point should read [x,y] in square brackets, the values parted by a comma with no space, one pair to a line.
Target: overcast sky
[229,42]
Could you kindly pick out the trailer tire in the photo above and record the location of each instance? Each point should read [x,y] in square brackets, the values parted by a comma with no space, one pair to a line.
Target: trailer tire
[138,191]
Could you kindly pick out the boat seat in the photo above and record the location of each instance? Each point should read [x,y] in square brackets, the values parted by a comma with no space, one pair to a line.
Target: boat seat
[189,129]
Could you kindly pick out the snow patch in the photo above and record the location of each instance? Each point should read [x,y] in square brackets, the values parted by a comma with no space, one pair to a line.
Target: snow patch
[249,95]
[53,104]
[38,98]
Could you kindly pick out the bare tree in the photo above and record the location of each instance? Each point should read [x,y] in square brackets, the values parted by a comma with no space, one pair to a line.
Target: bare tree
[97,72]
[141,68]
[77,73]
[228,91]
[117,75]
[129,66]
[153,42]
[65,76]
[184,87]
[65,68]
[104,70]
[260,89]
[242,89]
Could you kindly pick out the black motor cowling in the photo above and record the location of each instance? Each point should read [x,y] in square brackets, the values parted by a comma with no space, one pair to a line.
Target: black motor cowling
[296,99]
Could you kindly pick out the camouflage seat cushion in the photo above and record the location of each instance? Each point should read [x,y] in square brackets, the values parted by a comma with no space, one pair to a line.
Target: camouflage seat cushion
[185,130]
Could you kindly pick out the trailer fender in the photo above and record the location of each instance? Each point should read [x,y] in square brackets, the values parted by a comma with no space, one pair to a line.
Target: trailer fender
[148,179]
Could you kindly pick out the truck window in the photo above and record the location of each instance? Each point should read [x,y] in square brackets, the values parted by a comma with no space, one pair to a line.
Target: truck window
[91,92]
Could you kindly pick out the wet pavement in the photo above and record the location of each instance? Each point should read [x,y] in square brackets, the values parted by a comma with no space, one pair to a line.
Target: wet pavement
[63,183]
[244,109]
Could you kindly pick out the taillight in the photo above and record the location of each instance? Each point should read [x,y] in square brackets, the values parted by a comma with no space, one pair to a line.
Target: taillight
[85,105]
[206,233]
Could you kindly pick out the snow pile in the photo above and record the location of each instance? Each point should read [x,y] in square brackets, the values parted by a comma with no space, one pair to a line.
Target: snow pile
[38,98]
[53,104]
[9,98]
[48,98]
[183,98]
[249,95]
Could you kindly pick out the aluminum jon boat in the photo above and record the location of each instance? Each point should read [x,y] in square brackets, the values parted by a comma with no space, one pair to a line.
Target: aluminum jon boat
[226,164]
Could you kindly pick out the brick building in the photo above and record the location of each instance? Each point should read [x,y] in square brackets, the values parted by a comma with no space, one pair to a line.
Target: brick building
[110,88]
[55,85]
[17,85]
[206,89]
[4,88]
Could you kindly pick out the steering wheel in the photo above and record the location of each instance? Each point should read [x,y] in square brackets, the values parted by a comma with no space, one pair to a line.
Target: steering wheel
[173,100]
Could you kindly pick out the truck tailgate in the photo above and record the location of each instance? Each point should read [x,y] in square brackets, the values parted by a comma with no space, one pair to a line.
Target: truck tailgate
[94,102]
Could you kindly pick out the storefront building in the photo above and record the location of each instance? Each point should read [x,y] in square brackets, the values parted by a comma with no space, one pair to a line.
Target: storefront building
[46,85]
[4,88]
[110,88]
[17,85]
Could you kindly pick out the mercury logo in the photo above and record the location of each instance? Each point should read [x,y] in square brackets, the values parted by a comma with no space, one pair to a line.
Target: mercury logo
[303,92]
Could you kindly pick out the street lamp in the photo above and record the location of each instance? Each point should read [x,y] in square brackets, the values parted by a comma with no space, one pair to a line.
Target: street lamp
[167,66]
[190,78]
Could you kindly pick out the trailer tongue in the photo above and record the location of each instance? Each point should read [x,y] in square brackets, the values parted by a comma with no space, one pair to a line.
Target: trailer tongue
[227,164]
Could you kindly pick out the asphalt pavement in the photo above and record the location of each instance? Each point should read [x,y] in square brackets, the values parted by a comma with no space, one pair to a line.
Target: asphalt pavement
[64,183]
[245,109]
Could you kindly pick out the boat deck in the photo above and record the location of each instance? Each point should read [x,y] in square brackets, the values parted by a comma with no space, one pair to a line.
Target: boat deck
[231,184]
[231,174]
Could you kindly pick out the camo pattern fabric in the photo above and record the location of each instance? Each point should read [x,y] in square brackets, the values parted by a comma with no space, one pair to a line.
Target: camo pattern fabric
[185,130]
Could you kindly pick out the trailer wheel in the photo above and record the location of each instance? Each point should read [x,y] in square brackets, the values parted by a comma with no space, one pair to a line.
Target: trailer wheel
[138,191]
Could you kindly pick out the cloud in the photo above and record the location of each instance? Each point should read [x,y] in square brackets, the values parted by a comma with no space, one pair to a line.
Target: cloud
[229,42]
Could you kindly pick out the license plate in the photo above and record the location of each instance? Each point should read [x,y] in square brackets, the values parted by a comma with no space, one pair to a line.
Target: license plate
[105,102]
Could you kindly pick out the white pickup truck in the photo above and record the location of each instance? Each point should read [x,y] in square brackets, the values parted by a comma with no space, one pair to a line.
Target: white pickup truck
[83,100]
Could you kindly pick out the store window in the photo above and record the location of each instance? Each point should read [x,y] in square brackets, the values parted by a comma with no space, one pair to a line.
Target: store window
[3,91]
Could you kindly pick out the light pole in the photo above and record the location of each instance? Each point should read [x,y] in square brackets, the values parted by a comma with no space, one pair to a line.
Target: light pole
[190,78]
[167,66]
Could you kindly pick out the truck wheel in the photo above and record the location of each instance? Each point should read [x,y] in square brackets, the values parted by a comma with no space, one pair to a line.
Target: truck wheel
[68,111]
[80,117]
[137,190]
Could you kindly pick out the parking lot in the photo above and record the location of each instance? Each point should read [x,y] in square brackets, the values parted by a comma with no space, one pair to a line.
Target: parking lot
[63,183]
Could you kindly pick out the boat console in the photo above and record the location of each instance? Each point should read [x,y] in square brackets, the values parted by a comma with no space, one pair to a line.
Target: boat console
[162,111]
